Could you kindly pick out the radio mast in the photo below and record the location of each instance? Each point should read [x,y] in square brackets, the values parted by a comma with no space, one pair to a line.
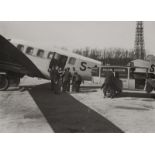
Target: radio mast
[139,41]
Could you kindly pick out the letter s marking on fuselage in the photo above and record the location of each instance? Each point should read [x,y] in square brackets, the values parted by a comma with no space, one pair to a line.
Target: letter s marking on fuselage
[83,66]
[152,68]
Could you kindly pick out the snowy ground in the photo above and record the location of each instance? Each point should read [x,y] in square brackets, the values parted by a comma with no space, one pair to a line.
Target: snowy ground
[131,112]
[19,113]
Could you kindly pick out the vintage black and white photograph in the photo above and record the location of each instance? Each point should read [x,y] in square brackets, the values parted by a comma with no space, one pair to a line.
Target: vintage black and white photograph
[77,77]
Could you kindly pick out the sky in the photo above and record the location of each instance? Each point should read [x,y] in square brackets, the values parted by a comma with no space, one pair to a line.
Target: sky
[101,34]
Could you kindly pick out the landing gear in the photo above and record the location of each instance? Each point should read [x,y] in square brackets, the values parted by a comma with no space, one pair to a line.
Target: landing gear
[4,82]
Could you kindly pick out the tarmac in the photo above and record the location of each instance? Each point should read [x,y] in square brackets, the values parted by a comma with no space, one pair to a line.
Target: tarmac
[33,108]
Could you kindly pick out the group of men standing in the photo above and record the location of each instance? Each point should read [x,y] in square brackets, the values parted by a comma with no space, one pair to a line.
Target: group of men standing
[61,80]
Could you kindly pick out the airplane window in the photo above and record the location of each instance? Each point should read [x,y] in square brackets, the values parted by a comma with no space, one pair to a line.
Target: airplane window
[40,53]
[50,55]
[20,47]
[29,50]
[72,61]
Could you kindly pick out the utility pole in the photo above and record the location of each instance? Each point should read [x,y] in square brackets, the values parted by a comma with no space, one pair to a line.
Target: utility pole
[139,49]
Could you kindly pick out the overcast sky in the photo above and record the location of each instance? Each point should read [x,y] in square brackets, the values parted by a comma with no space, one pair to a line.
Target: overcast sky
[80,34]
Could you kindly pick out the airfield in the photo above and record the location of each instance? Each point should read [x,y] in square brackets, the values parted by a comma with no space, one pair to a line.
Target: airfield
[33,108]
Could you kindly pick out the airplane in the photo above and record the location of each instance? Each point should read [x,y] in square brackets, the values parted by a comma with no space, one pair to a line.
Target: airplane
[18,58]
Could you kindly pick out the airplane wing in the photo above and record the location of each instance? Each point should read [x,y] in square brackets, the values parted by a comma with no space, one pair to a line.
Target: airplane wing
[13,60]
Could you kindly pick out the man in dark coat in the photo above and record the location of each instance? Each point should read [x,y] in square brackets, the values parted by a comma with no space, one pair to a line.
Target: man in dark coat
[52,70]
[66,80]
[78,80]
[118,84]
[73,81]
[109,84]
[52,75]
[57,81]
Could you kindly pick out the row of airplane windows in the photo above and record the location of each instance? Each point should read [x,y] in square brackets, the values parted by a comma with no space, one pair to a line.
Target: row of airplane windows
[41,53]
[30,50]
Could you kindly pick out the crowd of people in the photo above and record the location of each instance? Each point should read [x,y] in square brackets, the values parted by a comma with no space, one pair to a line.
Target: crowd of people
[112,85]
[62,80]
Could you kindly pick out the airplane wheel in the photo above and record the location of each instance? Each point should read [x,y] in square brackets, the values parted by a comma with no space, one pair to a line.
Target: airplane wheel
[4,83]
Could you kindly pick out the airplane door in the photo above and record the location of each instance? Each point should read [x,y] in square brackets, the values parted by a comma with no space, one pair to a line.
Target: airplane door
[62,61]
[58,60]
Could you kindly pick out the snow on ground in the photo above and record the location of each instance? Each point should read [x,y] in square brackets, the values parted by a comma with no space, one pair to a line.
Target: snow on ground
[28,81]
[19,112]
[131,114]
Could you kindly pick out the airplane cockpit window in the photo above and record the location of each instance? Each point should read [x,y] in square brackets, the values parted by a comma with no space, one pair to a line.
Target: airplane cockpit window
[29,50]
[72,61]
[20,47]
[40,53]
[50,55]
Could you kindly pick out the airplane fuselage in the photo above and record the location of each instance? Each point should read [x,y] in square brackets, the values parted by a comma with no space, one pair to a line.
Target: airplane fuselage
[18,59]
[75,62]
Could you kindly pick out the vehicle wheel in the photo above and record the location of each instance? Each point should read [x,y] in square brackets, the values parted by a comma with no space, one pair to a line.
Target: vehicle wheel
[4,83]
